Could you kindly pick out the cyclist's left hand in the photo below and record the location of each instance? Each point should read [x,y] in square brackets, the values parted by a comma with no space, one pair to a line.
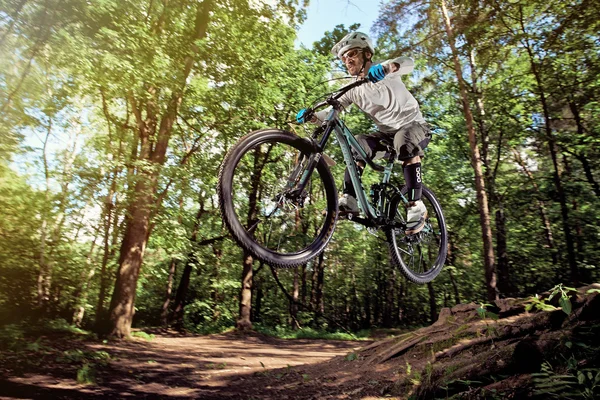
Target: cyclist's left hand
[376,73]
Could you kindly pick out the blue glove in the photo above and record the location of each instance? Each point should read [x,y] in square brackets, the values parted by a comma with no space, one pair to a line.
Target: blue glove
[301,116]
[376,73]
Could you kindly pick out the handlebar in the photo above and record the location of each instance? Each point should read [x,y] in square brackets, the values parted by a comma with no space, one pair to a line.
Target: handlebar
[331,99]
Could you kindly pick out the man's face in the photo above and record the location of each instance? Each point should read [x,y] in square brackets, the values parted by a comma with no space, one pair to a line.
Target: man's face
[353,59]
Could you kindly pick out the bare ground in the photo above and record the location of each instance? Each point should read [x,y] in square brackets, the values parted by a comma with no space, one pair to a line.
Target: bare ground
[464,355]
[170,365]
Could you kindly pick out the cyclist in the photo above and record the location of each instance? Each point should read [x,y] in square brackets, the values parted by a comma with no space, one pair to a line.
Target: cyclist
[394,111]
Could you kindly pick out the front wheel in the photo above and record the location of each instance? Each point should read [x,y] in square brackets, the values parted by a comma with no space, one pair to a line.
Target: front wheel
[277,197]
[421,256]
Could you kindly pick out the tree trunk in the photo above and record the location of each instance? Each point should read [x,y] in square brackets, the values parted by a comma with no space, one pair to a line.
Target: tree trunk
[82,291]
[304,289]
[451,260]
[377,312]
[258,286]
[576,222]
[581,156]
[484,214]
[551,141]
[317,285]
[587,169]
[432,303]
[184,283]
[294,303]
[490,180]
[52,225]
[43,280]
[107,217]
[164,314]
[504,284]
[388,305]
[366,322]
[244,322]
[130,260]
[541,206]
[178,313]
[355,314]
[153,151]
[215,296]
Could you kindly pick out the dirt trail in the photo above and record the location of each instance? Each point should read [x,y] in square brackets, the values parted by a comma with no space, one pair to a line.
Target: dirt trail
[464,354]
[175,367]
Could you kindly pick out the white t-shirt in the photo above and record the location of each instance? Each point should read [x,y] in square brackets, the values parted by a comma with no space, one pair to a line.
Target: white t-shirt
[387,102]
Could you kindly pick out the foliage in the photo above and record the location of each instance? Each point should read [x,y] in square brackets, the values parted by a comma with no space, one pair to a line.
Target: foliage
[17,336]
[79,80]
[577,384]
[86,374]
[143,335]
[563,300]
[484,313]
[309,333]
[11,336]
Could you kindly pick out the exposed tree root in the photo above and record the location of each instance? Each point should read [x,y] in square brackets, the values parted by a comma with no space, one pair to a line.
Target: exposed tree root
[463,353]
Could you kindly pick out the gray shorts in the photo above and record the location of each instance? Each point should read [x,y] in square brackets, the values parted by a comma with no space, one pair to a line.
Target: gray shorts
[409,141]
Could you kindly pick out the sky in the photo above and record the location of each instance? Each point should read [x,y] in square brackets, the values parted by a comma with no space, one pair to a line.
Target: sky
[324,15]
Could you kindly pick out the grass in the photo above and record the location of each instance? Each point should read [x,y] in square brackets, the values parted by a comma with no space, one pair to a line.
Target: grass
[60,325]
[143,335]
[86,374]
[33,344]
[25,334]
[209,327]
[12,336]
[309,333]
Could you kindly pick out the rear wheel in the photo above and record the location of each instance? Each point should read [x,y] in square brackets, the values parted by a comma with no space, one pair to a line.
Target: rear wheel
[421,256]
[263,205]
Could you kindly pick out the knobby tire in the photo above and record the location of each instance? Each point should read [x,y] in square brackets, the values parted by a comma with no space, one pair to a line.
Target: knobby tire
[435,242]
[240,188]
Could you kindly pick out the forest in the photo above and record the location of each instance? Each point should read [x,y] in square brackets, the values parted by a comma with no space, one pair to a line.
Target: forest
[115,117]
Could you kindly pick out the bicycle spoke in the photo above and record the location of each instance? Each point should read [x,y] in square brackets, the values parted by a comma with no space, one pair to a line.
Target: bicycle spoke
[266,193]
[419,256]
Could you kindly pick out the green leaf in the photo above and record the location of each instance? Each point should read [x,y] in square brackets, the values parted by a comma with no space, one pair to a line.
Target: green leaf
[580,377]
[565,304]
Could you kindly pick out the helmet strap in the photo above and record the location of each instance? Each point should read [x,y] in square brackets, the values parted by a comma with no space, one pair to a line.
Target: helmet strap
[364,62]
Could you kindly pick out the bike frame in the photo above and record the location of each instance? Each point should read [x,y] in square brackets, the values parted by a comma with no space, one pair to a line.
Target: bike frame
[347,141]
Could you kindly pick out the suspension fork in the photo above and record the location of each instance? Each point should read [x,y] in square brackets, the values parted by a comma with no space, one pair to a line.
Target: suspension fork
[315,156]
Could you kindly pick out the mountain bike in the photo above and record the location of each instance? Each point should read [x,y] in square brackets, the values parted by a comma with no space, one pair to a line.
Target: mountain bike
[278,198]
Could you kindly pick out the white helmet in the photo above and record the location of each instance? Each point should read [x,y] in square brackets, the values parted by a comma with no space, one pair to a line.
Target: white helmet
[350,41]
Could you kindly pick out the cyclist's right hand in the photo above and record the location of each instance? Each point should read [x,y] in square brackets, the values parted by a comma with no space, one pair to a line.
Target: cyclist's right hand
[303,116]
[376,73]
